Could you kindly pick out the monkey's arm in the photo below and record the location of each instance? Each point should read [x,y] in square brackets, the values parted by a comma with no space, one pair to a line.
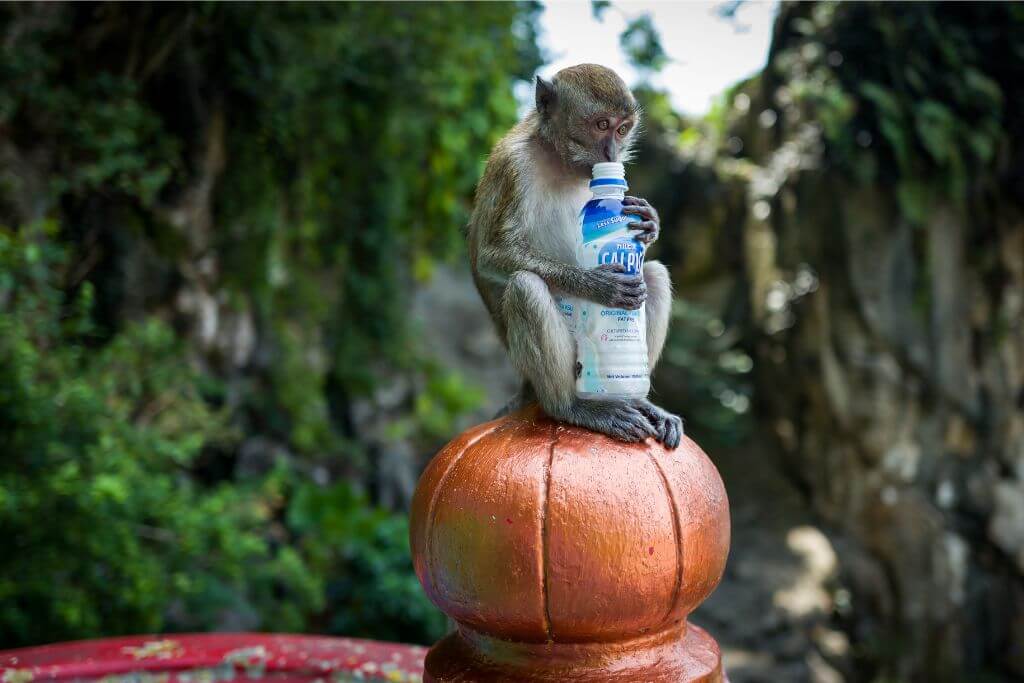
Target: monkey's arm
[499,258]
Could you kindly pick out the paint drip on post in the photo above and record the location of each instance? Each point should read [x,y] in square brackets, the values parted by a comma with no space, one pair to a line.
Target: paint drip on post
[611,343]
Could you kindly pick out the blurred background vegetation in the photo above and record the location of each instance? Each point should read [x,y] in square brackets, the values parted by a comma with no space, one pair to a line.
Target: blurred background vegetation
[235,320]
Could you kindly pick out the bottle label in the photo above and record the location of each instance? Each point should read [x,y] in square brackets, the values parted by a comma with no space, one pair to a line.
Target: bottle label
[611,343]
[567,307]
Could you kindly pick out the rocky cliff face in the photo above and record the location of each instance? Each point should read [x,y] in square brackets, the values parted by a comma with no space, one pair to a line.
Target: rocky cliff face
[872,262]
[893,390]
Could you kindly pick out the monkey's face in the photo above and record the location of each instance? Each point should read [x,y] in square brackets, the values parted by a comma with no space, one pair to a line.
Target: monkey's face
[610,136]
[589,115]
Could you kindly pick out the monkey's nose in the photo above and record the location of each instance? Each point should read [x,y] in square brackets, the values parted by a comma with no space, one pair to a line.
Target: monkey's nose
[610,150]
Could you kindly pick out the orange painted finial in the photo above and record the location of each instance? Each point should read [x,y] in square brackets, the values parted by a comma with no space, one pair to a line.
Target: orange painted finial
[564,553]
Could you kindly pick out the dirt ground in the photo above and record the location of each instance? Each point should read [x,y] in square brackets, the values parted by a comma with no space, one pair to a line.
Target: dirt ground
[771,612]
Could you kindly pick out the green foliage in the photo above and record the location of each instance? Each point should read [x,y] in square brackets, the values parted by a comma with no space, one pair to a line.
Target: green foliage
[302,167]
[98,520]
[446,396]
[416,121]
[599,7]
[377,595]
[714,373]
[932,121]
[107,139]
[105,530]
[642,44]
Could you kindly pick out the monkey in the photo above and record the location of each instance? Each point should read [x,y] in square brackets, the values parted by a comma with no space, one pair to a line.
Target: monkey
[521,238]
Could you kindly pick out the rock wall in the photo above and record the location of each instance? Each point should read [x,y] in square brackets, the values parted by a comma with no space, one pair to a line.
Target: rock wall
[890,374]
[875,274]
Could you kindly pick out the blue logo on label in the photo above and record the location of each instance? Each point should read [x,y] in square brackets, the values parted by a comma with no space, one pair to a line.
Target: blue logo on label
[628,252]
[605,228]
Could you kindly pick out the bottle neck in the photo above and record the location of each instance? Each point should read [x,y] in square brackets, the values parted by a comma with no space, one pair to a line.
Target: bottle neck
[609,191]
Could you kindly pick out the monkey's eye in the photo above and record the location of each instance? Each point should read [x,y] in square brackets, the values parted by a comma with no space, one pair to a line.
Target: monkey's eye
[603,124]
[623,129]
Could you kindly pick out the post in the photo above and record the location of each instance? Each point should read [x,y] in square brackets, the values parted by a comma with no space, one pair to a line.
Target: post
[564,554]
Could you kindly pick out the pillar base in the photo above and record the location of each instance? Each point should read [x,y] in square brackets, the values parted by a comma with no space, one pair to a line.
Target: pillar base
[681,654]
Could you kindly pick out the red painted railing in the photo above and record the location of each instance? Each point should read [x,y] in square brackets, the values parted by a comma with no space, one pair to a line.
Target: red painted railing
[210,658]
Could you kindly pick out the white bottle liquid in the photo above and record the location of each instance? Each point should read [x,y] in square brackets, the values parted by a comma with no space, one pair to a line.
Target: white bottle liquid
[611,343]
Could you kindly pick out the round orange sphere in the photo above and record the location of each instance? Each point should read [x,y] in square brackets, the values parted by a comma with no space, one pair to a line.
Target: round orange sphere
[528,530]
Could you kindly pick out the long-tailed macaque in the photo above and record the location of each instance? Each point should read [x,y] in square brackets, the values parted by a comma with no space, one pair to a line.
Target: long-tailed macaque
[522,247]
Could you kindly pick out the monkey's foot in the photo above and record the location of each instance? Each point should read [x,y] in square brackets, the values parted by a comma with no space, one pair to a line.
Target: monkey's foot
[668,427]
[621,420]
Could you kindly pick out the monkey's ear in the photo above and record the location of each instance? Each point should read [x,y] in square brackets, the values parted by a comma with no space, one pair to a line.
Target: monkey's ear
[545,97]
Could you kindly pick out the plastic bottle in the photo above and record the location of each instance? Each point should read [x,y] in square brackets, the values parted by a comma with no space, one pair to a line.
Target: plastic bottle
[611,343]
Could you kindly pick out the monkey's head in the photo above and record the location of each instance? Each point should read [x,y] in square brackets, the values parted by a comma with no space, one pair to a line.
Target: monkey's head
[588,114]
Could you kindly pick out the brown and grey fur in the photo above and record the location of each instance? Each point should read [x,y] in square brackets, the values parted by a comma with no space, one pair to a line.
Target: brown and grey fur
[522,248]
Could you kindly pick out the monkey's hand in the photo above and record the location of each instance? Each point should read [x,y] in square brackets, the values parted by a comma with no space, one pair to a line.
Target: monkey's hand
[610,286]
[649,225]
[668,427]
